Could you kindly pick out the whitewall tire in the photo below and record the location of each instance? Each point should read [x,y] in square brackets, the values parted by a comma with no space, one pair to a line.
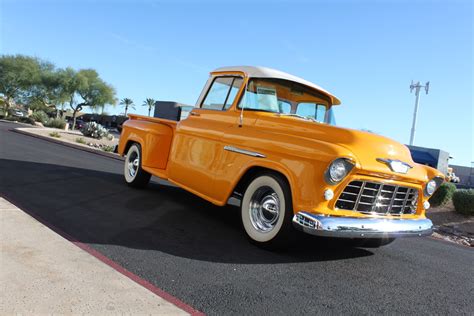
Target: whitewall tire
[266,210]
[134,175]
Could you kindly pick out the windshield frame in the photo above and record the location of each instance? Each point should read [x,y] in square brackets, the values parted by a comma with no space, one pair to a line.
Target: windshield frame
[318,98]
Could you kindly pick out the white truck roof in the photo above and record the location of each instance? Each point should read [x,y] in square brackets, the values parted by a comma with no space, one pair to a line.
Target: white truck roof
[264,72]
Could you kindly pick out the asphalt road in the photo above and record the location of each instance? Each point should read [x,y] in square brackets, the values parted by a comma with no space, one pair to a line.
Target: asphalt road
[198,252]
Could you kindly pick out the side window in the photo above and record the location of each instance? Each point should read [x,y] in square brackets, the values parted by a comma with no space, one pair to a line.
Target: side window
[312,110]
[320,113]
[222,93]
[233,92]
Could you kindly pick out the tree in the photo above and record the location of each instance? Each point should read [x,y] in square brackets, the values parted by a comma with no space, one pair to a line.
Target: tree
[71,83]
[18,73]
[41,85]
[85,88]
[150,103]
[93,91]
[50,89]
[127,103]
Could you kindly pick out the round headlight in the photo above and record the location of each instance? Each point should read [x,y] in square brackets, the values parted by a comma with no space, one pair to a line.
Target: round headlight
[431,187]
[338,170]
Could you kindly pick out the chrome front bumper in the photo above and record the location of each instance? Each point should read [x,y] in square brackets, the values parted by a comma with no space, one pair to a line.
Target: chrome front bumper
[351,227]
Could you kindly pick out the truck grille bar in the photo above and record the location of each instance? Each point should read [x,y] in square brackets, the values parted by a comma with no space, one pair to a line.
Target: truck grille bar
[378,198]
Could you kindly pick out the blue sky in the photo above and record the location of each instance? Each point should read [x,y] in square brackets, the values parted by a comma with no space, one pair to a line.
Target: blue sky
[365,52]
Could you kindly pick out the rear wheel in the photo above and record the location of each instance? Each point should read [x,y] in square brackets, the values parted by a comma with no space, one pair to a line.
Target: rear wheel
[135,176]
[267,211]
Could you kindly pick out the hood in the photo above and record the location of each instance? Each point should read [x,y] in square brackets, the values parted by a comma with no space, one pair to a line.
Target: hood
[374,153]
[369,149]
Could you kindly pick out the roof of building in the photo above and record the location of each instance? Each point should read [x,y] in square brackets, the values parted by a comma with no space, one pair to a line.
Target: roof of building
[264,72]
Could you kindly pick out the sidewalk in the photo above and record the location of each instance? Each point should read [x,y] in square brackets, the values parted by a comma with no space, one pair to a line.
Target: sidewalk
[41,272]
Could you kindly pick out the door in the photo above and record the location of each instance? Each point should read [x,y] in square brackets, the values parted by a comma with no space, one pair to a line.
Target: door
[197,145]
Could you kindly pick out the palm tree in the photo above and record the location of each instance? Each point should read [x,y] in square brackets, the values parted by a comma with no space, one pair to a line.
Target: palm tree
[128,103]
[150,103]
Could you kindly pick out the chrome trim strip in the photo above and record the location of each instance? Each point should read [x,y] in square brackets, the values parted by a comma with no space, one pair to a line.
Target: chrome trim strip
[351,227]
[244,152]
[359,196]
[388,162]
[374,203]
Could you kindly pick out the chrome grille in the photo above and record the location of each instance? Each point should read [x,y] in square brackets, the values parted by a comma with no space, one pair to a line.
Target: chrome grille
[379,198]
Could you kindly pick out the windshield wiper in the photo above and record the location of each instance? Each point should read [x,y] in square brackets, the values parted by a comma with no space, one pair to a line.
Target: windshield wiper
[296,115]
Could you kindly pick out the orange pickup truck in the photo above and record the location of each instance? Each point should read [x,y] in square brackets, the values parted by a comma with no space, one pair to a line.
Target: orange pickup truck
[263,136]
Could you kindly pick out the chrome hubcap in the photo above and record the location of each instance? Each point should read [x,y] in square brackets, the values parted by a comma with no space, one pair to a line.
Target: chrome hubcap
[133,163]
[264,209]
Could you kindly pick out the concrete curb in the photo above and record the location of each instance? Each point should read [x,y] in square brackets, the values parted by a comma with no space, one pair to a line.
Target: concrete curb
[17,122]
[90,150]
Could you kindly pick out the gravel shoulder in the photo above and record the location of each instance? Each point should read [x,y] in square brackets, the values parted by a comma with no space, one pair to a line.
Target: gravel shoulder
[452,226]
[72,137]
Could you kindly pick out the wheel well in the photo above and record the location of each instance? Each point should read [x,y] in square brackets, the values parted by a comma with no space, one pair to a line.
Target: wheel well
[128,145]
[250,174]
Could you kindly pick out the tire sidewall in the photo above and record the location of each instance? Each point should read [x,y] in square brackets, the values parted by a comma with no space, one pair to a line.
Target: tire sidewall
[133,149]
[252,232]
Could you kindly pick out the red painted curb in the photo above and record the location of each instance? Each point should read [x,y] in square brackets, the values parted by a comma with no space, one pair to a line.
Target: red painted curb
[89,150]
[157,291]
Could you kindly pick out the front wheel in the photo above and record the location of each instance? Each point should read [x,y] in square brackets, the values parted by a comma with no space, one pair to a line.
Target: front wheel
[267,211]
[135,176]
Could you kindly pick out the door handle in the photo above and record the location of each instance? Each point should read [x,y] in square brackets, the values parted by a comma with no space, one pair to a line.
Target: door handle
[194,114]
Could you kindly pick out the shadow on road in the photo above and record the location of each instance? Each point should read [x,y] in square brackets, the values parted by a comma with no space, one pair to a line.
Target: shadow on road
[96,207]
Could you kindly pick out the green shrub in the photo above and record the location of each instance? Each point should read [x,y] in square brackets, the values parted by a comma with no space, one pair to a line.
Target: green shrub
[443,195]
[27,120]
[11,118]
[40,116]
[55,134]
[463,201]
[108,148]
[94,130]
[81,140]
[56,123]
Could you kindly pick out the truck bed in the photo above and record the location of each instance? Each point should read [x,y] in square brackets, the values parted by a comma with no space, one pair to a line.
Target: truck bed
[154,134]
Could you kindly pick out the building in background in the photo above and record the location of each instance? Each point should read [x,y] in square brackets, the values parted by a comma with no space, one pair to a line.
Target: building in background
[439,159]
[466,176]
[436,158]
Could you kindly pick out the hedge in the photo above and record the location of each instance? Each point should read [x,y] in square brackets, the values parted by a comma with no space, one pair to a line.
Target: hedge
[27,120]
[463,201]
[56,123]
[40,116]
[443,195]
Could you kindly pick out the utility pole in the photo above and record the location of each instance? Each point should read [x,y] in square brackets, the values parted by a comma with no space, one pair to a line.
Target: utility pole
[416,86]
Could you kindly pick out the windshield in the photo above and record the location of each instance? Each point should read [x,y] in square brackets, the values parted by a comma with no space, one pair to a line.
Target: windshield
[286,98]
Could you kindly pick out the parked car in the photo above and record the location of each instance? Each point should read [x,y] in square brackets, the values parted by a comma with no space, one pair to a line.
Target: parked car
[18,113]
[451,176]
[263,136]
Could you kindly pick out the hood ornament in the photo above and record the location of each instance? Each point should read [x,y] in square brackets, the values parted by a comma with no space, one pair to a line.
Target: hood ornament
[396,165]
